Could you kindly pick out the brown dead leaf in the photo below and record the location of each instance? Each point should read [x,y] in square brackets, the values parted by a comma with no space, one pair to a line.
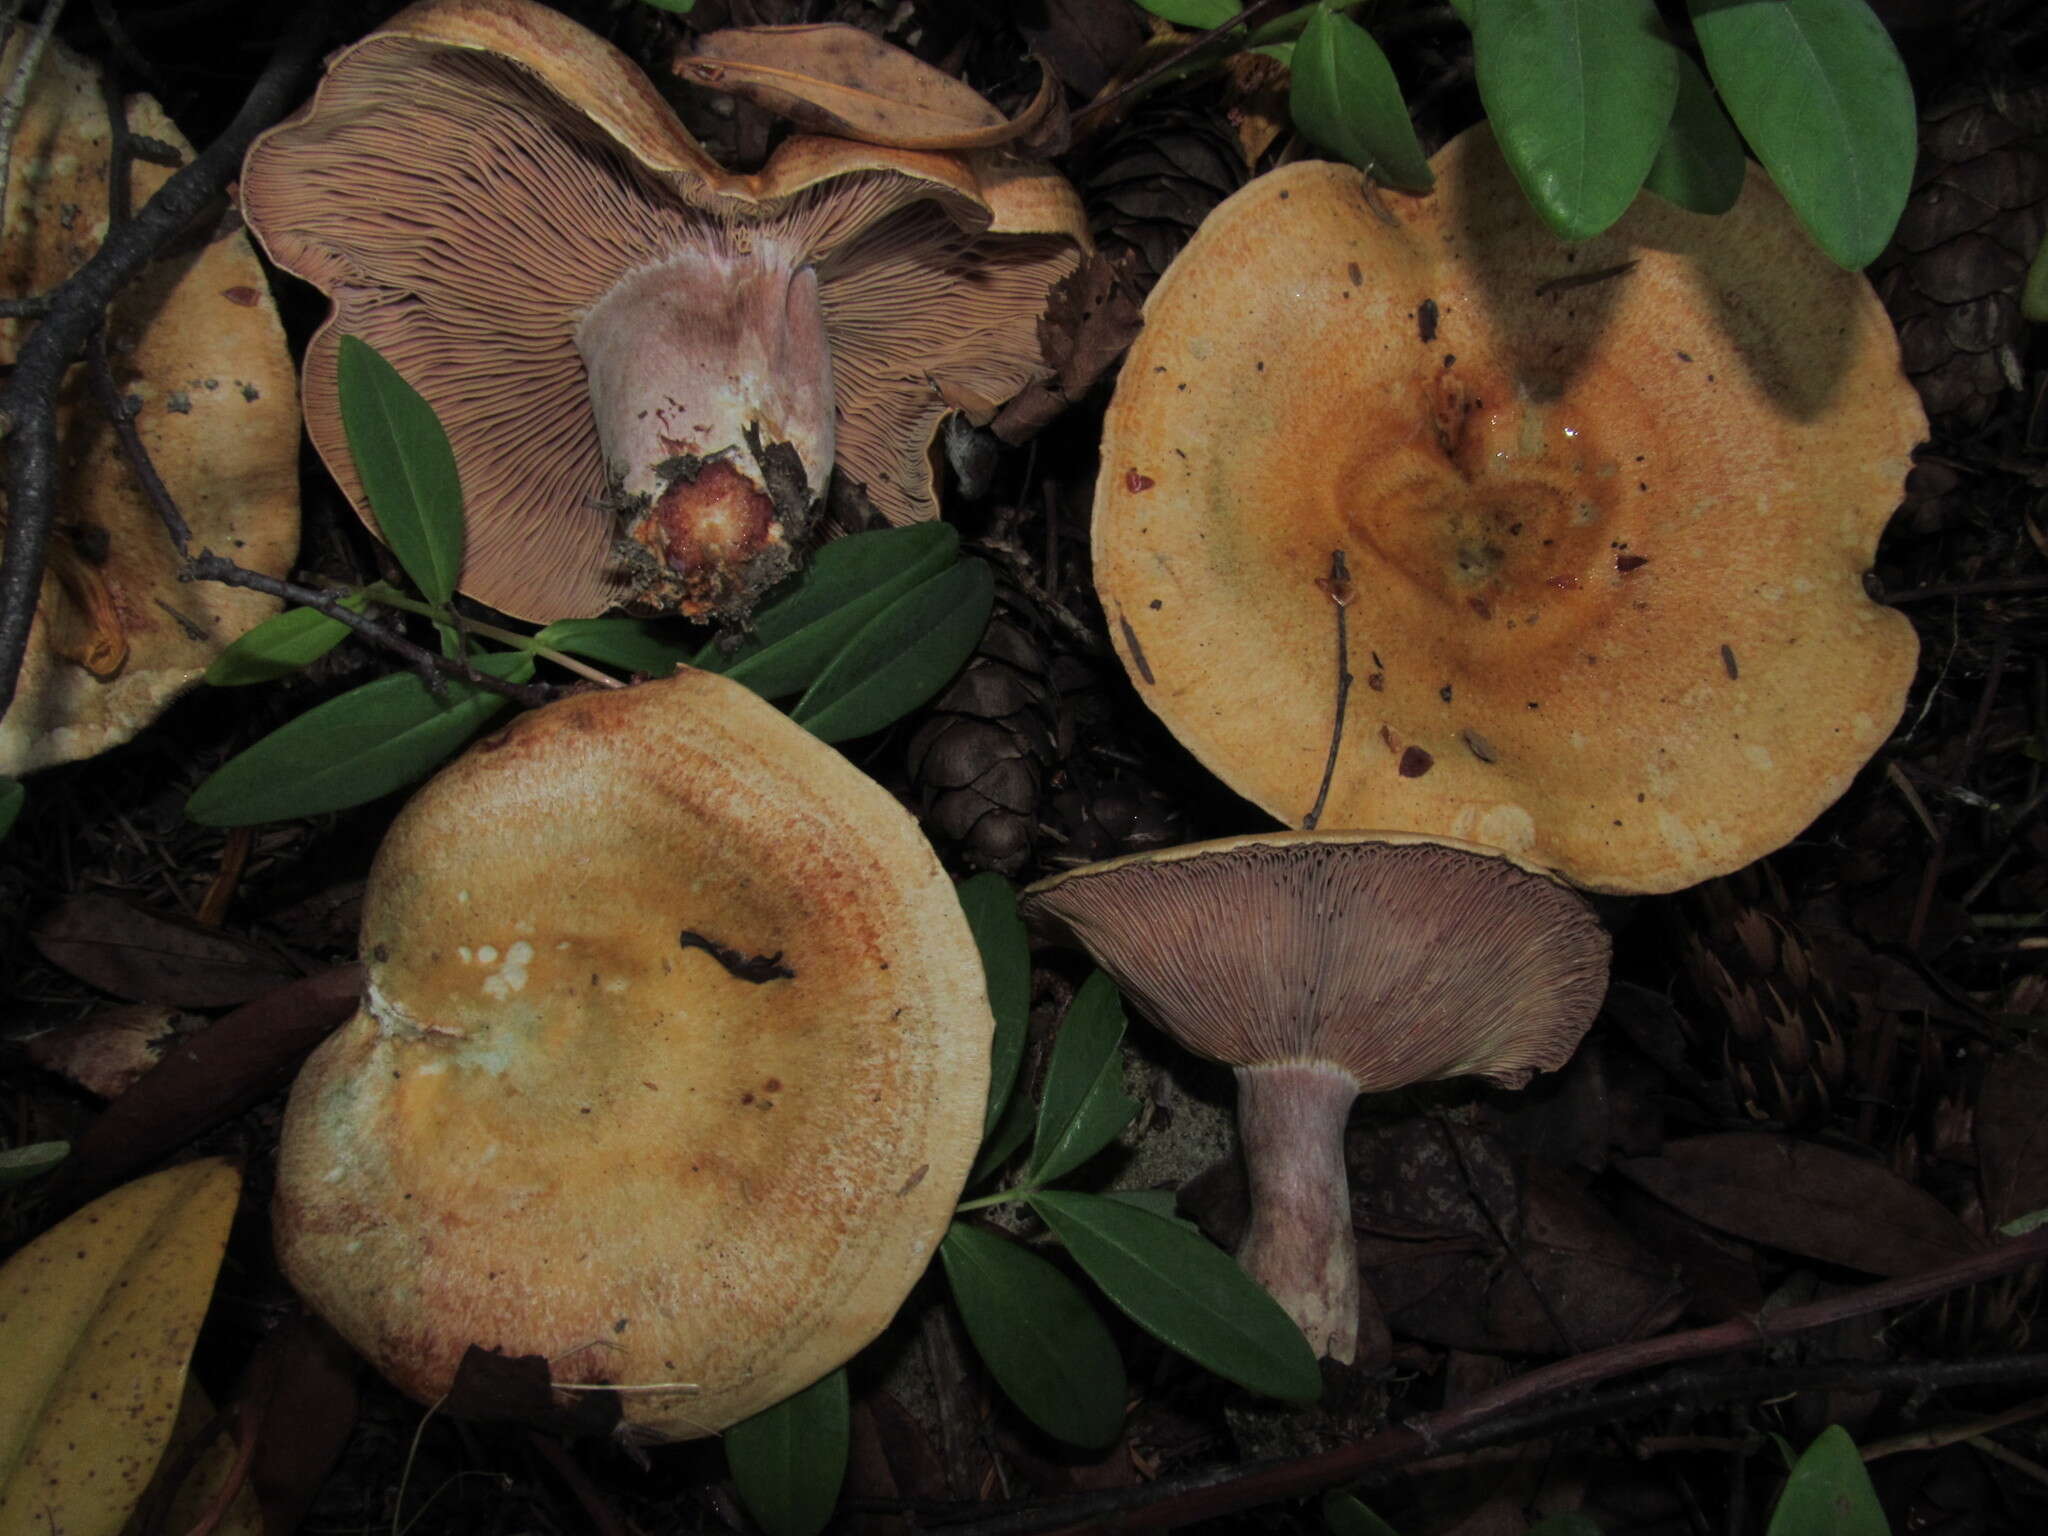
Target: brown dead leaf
[519,1389]
[1091,317]
[300,1392]
[106,1053]
[124,948]
[846,82]
[210,1075]
[1255,87]
[2012,1138]
[1805,1199]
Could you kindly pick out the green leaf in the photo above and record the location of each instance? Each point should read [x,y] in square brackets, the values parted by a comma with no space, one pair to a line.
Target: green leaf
[287,643]
[1700,164]
[1046,1347]
[991,907]
[1570,1523]
[1202,15]
[2034,297]
[1186,1292]
[902,656]
[1010,1133]
[368,742]
[1345,97]
[789,1460]
[631,645]
[1345,1515]
[1085,1104]
[1829,1493]
[19,1164]
[1579,93]
[1820,93]
[406,466]
[12,798]
[1163,1203]
[2020,1226]
[673,7]
[849,581]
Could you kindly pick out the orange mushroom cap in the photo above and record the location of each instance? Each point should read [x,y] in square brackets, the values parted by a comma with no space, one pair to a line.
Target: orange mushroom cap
[1606,510]
[616,331]
[196,343]
[672,1064]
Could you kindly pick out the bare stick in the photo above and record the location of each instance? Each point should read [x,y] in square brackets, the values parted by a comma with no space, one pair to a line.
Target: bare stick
[1337,587]
[15,101]
[28,399]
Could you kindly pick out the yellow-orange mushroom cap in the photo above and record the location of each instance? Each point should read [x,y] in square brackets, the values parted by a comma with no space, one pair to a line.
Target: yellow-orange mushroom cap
[1606,511]
[672,1064]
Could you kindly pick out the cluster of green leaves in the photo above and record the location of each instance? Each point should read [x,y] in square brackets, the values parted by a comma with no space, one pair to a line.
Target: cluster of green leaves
[1043,1341]
[871,629]
[1827,1492]
[1592,100]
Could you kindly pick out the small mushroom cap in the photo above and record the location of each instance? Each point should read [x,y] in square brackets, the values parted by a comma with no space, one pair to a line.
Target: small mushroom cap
[471,179]
[195,340]
[672,1065]
[1396,958]
[1606,509]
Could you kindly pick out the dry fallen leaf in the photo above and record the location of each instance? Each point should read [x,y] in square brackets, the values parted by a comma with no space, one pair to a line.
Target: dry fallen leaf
[1806,1199]
[843,81]
[97,1321]
[1091,317]
[191,1477]
[124,948]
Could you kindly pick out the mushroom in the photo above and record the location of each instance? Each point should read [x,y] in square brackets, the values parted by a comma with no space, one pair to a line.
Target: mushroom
[1606,509]
[671,1064]
[1325,965]
[647,365]
[195,344]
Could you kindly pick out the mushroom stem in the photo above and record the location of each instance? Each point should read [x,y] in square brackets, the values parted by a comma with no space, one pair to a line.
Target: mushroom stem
[711,385]
[1300,1245]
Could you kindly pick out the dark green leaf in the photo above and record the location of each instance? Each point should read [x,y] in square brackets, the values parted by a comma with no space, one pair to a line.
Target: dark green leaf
[19,1164]
[902,656]
[12,798]
[1186,1292]
[368,742]
[631,645]
[789,1460]
[797,634]
[1202,15]
[673,7]
[1045,1346]
[285,644]
[1084,1104]
[1700,164]
[1579,93]
[406,466]
[1345,97]
[1820,93]
[1344,1514]
[1010,1133]
[1570,1523]
[2034,297]
[1829,1492]
[991,907]
[1163,1203]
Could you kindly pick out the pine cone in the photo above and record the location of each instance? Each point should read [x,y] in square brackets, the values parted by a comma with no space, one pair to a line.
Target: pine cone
[979,761]
[1100,808]
[1155,179]
[1952,276]
[1753,971]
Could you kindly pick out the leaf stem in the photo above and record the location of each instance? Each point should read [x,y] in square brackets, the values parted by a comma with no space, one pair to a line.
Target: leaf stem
[1016,1194]
[518,642]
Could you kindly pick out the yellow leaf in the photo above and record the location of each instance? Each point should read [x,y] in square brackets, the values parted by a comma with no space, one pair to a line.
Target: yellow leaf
[200,1478]
[97,1320]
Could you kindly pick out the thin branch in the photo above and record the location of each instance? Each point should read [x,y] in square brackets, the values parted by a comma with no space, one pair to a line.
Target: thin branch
[28,400]
[1337,588]
[1104,108]
[1539,1398]
[15,101]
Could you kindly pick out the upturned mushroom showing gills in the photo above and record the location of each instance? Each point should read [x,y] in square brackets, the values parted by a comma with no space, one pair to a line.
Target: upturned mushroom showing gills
[1325,965]
[670,1068]
[1606,511]
[648,366]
